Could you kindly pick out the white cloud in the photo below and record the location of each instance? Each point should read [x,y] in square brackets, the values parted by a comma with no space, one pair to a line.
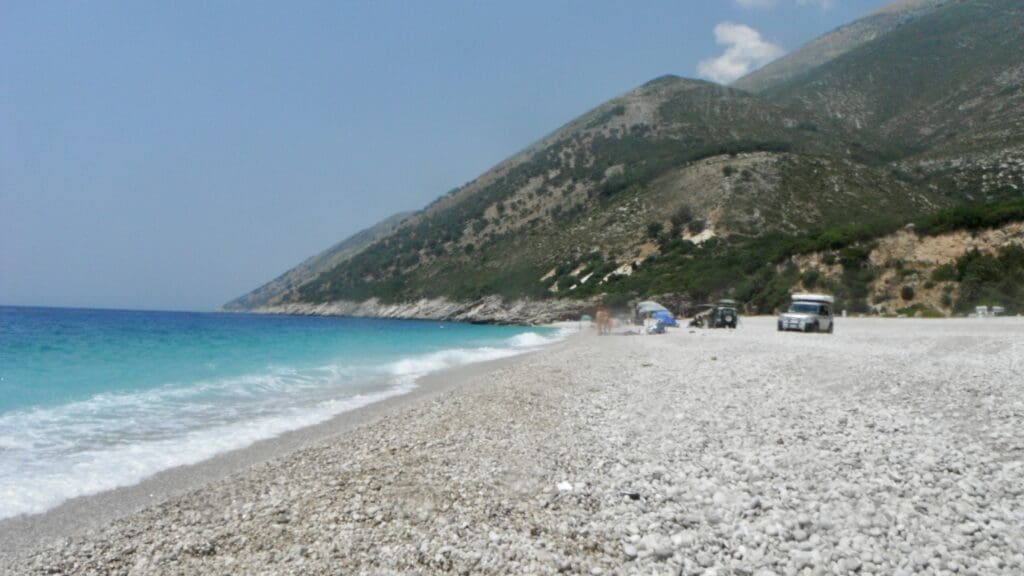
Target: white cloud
[745,51]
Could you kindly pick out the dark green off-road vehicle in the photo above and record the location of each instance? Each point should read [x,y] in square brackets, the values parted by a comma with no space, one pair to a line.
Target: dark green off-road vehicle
[723,314]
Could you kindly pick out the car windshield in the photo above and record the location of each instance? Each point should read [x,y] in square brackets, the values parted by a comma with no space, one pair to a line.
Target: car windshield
[804,308]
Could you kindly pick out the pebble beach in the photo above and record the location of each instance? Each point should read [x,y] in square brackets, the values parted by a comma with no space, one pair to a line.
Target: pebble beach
[894,446]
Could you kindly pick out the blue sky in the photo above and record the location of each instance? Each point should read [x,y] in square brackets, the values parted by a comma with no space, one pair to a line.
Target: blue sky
[174,155]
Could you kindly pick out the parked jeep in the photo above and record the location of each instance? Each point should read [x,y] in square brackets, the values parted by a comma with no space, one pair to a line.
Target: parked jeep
[721,315]
[725,314]
[809,313]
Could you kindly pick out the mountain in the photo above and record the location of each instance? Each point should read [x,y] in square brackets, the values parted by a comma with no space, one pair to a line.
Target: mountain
[673,147]
[280,288]
[942,94]
[691,187]
[836,43]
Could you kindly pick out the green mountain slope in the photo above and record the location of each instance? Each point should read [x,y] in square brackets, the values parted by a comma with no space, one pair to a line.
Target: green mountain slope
[691,187]
[673,147]
[944,93]
[280,288]
[951,261]
[836,43]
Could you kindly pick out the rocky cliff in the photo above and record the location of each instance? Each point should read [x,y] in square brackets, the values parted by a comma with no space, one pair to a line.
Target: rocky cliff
[490,309]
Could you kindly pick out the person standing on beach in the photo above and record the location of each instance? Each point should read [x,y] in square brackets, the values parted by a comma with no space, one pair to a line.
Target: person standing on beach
[604,320]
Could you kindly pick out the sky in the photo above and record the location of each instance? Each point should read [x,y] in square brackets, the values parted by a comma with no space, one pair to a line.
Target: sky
[175,155]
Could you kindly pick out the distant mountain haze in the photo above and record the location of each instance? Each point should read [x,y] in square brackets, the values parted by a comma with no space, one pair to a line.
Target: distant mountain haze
[276,290]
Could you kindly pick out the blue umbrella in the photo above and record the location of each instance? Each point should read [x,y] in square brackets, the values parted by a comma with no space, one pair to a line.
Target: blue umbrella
[666,318]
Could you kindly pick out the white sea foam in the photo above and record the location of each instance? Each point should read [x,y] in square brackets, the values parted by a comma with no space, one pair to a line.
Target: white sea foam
[409,369]
[535,340]
[49,455]
[441,360]
[530,340]
[41,485]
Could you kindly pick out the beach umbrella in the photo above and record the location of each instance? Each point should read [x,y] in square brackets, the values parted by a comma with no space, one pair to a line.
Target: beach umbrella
[650,306]
[665,317]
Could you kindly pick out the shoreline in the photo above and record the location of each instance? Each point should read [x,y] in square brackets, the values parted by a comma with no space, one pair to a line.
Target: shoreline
[79,515]
[884,448]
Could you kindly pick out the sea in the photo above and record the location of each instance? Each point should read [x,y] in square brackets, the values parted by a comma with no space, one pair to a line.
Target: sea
[96,399]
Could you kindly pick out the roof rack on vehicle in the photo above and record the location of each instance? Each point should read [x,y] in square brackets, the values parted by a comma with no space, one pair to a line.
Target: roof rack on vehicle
[814,298]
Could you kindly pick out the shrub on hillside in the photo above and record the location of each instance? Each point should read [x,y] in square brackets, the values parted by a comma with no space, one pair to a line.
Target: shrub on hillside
[944,273]
[682,216]
[987,279]
[654,229]
[920,311]
[810,278]
[973,217]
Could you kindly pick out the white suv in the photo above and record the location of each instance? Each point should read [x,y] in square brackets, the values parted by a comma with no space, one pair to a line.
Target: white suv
[809,313]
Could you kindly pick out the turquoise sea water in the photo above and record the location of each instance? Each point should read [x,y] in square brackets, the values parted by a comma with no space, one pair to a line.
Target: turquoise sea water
[95,399]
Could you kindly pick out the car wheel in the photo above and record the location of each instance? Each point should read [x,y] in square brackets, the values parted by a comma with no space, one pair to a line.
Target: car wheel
[779,328]
[831,326]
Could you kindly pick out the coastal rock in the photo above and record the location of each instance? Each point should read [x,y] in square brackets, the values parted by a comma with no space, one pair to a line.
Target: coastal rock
[489,309]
